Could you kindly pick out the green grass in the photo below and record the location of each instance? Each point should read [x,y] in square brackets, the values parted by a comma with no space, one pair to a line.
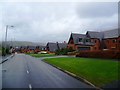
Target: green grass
[97,71]
[41,55]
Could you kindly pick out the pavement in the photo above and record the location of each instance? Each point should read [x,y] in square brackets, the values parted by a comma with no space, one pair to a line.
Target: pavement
[24,71]
[5,58]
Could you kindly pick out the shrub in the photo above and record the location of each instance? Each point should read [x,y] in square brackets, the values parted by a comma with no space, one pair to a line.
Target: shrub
[5,51]
[63,51]
[111,54]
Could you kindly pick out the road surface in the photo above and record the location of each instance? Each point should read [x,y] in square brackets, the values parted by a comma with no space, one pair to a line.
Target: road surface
[23,71]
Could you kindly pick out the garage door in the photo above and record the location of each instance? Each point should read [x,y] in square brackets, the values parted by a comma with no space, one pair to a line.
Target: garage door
[83,48]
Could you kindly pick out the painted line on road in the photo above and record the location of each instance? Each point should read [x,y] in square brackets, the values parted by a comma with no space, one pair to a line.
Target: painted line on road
[30,87]
[28,72]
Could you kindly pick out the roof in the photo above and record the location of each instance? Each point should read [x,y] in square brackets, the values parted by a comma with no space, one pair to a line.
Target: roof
[52,46]
[62,45]
[23,47]
[112,33]
[32,47]
[93,34]
[77,36]
[40,47]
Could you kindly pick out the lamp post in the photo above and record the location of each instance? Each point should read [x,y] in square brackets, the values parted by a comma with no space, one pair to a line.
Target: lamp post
[7,26]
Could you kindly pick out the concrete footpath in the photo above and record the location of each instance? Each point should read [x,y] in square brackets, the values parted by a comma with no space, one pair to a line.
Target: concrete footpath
[3,59]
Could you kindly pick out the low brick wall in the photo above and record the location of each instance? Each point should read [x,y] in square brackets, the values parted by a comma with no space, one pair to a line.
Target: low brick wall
[100,54]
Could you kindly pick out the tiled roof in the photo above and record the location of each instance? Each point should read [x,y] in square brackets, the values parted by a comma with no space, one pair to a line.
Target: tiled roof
[62,45]
[55,46]
[32,47]
[77,36]
[52,46]
[93,34]
[104,34]
[112,33]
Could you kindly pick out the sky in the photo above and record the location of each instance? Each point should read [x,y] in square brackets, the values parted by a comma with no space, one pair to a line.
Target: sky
[54,21]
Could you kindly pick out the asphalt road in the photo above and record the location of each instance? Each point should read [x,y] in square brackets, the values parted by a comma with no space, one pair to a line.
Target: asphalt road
[23,71]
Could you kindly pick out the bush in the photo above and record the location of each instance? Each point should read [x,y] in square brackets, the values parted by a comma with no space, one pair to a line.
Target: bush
[5,51]
[63,51]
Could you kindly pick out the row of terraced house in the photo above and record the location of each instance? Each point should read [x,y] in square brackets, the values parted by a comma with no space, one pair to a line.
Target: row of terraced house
[51,47]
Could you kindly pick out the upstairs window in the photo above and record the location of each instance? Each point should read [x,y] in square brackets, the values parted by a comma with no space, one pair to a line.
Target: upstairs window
[71,42]
[114,40]
[95,41]
[80,39]
[88,40]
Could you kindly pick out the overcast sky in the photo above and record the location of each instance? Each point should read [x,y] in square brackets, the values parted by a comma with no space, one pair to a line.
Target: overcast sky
[54,21]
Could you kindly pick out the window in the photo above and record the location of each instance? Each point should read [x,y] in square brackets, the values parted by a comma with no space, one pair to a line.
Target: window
[71,42]
[88,40]
[114,40]
[95,48]
[95,41]
[80,39]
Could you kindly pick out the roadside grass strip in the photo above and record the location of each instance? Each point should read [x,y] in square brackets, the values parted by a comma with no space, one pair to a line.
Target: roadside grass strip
[41,55]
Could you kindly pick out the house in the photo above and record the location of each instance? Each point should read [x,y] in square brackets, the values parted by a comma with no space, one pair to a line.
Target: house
[79,42]
[52,47]
[23,49]
[62,45]
[31,49]
[42,48]
[95,41]
[112,39]
[96,38]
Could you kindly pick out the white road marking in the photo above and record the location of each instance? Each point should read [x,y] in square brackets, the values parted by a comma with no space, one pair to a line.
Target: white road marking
[27,72]
[30,87]
[4,70]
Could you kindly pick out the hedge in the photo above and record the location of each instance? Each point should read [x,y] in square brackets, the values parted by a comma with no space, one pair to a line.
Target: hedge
[111,54]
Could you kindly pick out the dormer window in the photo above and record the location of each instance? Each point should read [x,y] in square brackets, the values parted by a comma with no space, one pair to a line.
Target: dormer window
[80,39]
[88,40]
[114,40]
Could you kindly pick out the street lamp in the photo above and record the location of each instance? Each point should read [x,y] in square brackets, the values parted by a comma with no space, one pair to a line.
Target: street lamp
[7,26]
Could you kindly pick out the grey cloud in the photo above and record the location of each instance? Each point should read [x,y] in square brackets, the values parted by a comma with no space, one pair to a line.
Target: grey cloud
[97,9]
[44,22]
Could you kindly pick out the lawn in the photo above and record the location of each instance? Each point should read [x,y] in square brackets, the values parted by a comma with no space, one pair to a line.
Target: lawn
[97,71]
[41,55]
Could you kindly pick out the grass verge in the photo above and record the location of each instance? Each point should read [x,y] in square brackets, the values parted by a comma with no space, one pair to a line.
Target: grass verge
[41,55]
[97,71]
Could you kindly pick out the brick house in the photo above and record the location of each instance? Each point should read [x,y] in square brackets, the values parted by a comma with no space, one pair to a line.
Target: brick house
[112,39]
[95,41]
[30,49]
[52,47]
[96,38]
[79,42]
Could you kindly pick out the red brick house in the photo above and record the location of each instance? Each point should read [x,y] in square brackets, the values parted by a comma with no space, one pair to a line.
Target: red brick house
[112,39]
[95,41]
[96,38]
[79,42]
[30,49]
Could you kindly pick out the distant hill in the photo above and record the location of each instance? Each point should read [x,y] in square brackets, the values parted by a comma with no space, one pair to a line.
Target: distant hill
[22,43]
